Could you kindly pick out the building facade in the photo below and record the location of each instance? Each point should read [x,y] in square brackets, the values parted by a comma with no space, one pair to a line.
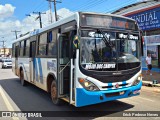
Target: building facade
[147,15]
[5,51]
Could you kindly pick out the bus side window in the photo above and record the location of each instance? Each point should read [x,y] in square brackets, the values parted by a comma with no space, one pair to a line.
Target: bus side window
[42,44]
[16,51]
[52,43]
[13,50]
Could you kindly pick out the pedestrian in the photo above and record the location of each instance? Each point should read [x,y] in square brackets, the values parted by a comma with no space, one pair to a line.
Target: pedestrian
[149,63]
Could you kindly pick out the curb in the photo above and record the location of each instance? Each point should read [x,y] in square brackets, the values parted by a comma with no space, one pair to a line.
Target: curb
[156,87]
[150,84]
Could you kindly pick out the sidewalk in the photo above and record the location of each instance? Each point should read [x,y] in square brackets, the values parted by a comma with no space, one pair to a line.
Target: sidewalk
[148,79]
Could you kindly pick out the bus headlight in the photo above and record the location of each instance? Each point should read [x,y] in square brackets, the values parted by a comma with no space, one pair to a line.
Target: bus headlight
[88,85]
[136,81]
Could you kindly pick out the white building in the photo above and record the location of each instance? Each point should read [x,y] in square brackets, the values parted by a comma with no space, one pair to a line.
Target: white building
[147,15]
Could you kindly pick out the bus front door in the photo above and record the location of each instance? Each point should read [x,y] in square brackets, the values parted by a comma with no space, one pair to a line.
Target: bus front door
[64,70]
[32,59]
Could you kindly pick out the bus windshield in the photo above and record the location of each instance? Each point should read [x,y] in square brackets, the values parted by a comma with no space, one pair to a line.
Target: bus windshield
[108,47]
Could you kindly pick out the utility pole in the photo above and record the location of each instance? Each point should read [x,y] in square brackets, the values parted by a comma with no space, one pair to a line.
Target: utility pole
[55,10]
[50,9]
[3,45]
[39,16]
[15,31]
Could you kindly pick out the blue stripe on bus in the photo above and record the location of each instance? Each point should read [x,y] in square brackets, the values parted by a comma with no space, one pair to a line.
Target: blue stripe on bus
[40,70]
[110,84]
[35,68]
[124,83]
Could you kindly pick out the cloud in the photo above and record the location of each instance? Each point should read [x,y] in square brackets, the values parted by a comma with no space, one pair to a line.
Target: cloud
[6,10]
[27,24]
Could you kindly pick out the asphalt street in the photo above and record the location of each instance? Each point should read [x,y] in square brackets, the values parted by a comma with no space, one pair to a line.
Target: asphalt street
[31,98]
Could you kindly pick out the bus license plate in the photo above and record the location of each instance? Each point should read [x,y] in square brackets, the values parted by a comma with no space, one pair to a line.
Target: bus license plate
[121,93]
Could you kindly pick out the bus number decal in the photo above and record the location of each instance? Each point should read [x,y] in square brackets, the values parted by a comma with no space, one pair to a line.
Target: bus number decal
[99,66]
[51,65]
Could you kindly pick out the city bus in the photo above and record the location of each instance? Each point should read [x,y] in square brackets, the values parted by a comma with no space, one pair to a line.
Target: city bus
[86,58]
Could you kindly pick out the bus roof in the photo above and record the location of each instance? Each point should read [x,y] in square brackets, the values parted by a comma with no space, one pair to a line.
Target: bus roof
[74,16]
[50,26]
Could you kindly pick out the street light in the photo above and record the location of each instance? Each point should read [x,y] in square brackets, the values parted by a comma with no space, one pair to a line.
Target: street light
[39,16]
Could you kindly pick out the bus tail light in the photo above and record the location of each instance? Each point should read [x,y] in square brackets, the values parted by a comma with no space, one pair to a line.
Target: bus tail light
[88,85]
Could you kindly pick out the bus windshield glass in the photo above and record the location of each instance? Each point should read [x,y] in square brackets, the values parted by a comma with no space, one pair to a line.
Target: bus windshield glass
[108,47]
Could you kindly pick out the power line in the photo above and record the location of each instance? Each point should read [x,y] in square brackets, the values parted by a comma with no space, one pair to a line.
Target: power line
[15,31]
[85,4]
[90,4]
[96,4]
[39,5]
[117,7]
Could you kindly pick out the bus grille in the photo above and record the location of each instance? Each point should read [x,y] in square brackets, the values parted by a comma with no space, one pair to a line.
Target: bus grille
[113,94]
[121,85]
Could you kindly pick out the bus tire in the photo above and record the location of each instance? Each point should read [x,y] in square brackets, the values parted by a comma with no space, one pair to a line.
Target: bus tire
[23,82]
[54,94]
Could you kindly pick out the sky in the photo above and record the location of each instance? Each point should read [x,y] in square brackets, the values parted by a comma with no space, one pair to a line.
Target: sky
[13,13]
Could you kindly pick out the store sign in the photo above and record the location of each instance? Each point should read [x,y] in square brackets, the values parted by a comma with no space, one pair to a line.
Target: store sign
[147,20]
[152,39]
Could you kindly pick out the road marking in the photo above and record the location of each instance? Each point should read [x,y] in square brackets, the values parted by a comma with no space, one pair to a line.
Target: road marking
[6,101]
[146,99]
[130,101]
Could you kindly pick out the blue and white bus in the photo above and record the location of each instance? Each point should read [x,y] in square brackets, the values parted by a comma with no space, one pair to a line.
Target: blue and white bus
[86,58]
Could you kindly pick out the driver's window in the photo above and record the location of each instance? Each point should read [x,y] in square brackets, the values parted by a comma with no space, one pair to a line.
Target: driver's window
[132,47]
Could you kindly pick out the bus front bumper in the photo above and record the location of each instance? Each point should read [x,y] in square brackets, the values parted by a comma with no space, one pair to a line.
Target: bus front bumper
[84,97]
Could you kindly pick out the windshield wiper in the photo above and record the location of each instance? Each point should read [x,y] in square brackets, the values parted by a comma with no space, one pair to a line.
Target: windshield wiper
[106,40]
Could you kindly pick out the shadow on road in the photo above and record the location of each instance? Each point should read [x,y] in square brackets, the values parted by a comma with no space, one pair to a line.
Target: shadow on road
[31,98]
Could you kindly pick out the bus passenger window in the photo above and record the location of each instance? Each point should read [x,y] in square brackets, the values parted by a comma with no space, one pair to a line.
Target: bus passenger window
[42,45]
[52,42]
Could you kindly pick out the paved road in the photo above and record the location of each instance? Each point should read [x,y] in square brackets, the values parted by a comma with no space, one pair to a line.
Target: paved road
[31,98]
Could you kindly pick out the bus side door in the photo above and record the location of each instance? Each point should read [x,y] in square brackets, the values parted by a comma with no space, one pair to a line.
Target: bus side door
[63,65]
[65,69]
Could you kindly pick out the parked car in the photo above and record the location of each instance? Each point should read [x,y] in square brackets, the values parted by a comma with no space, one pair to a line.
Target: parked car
[6,63]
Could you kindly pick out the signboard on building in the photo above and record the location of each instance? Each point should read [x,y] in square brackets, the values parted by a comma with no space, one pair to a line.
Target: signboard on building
[147,19]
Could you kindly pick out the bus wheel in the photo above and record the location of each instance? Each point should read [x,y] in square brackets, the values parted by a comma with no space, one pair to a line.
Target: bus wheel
[23,82]
[54,94]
